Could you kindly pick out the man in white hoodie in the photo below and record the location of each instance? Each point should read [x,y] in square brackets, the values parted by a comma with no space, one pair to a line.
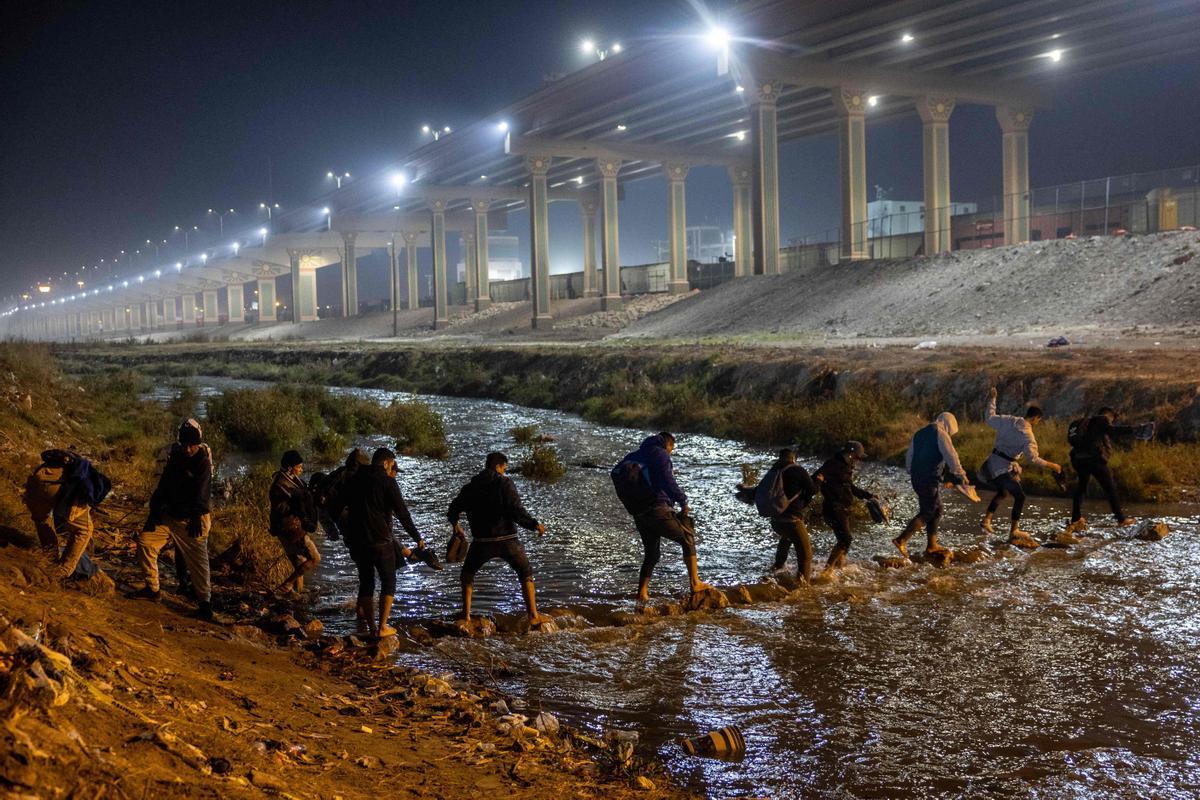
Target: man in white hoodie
[931,450]
[1002,469]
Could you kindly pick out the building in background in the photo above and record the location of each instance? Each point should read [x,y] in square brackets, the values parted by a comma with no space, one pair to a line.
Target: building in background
[504,260]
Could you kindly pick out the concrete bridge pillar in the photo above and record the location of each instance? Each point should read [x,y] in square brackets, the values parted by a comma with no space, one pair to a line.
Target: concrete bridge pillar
[235,295]
[483,278]
[676,174]
[188,301]
[148,315]
[469,266]
[743,229]
[412,290]
[266,299]
[349,276]
[851,108]
[211,312]
[437,234]
[764,135]
[1014,124]
[610,251]
[935,115]
[304,288]
[539,239]
[393,252]
[591,284]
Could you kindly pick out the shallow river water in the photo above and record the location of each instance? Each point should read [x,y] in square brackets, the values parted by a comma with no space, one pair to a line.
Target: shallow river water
[1062,673]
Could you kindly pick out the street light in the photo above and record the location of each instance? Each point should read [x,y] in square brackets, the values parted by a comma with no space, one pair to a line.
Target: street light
[267,207]
[221,219]
[434,132]
[328,218]
[397,180]
[263,233]
[345,176]
[186,233]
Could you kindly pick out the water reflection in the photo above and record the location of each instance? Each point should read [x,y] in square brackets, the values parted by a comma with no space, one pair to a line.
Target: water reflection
[1065,673]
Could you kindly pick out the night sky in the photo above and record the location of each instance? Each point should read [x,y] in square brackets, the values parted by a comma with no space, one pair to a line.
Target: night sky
[122,120]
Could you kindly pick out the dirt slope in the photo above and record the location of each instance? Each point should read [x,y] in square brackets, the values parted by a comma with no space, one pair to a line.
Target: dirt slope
[1080,287]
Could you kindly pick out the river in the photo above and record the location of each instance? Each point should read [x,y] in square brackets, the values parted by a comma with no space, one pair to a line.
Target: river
[1061,673]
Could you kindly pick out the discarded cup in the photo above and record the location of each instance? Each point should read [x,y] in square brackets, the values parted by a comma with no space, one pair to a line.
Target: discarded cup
[723,743]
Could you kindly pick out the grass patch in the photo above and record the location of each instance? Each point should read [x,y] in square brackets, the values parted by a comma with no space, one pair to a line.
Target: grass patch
[524,434]
[542,463]
[312,419]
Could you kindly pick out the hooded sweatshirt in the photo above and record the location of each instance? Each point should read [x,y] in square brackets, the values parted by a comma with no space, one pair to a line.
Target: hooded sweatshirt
[1014,439]
[492,506]
[185,488]
[931,448]
[655,460]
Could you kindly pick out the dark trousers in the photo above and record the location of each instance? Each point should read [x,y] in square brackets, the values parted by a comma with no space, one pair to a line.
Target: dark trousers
[1005,485]
[793,533]
[373,560]
[656,524]
[1086,469]
[838,520]
[510,551]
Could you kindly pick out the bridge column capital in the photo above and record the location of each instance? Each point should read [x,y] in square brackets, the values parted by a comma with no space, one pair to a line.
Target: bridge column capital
[849,101]
[1014,120]
[608,167]
[538,164]
[480,205]
[676,171]
[935,109]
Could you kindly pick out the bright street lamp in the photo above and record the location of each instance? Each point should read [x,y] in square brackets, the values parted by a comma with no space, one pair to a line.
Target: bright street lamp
[434,132]
[344,176]
[589,48]
[267,207]
[328,218]
[221,219]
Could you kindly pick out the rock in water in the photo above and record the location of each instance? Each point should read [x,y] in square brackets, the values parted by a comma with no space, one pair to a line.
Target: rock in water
[705,599]
[892,562]
[1153,532]
[938,558]
[313,629]
[546,722]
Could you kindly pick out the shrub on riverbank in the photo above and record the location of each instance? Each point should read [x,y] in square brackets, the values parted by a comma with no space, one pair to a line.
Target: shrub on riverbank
[313,419]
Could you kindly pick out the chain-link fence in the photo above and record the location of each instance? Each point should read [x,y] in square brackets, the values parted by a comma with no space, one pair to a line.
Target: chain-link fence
[1139,203]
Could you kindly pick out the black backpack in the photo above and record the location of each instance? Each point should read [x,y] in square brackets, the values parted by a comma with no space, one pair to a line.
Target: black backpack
[1077,433]
[632,482]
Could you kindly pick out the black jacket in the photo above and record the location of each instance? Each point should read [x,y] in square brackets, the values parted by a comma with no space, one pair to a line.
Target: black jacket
[1098,441]
[492,506]
[798,484]
[185,487]
[838,487]
[292,510]
[372,498]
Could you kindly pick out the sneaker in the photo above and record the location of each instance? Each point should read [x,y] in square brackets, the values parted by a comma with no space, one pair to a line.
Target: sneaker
[146,593]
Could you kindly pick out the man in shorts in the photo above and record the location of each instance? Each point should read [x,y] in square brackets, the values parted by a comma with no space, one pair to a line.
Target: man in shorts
[494,511]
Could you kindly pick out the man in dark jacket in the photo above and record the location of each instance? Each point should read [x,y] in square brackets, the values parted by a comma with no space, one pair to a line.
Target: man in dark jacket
[1090,458]
[494,511]
[293,517]
[180,512]
[658,520]
[789,524]
[372,499]
[838,492]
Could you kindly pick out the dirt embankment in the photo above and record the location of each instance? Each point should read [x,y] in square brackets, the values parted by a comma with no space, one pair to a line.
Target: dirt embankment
[1091,288]
[105,696]
[1161,385]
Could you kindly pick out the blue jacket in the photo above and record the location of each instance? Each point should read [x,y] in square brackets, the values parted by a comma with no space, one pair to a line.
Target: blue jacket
[652,455]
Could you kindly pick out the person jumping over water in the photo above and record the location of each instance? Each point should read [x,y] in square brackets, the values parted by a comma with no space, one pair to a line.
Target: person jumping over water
[838,491]
[931,450]
[1002,470]
[645,484]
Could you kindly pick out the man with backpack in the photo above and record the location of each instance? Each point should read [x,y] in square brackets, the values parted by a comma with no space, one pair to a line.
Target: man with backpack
[1002,469]
[929,453]
[180,512]
[781,496]
[293,516]
[1091,441]
[494,511]
[372,499]
[645,484]
[838,492]
[60,494]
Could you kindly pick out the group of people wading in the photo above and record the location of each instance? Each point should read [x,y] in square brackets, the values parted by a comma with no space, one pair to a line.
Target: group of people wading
[360,501]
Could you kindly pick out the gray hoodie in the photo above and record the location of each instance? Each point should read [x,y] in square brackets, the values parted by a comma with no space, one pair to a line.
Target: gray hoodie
[931,448]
